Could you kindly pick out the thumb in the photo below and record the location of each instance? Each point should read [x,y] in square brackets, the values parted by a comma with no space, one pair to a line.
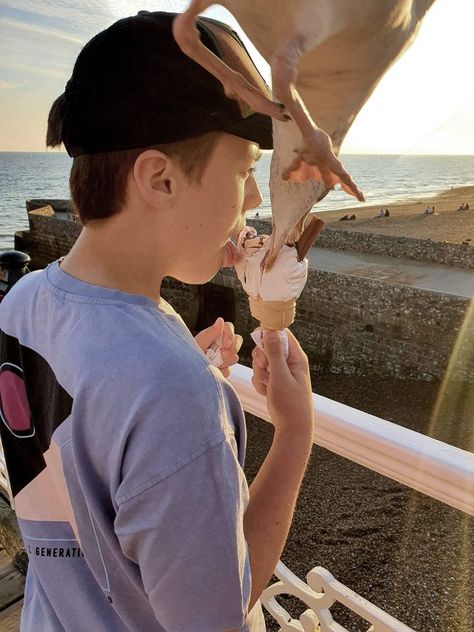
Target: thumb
[211,334]
[273,348]
[219,324]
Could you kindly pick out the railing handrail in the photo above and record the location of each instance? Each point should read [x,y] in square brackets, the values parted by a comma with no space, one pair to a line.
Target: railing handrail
[427,465]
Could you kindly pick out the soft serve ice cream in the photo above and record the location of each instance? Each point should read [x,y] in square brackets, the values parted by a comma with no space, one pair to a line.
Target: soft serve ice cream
[272,293]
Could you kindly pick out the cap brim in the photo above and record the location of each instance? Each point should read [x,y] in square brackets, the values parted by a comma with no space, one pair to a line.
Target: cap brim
[256,128]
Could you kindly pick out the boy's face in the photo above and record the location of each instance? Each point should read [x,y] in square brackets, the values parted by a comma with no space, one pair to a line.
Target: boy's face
[211,212]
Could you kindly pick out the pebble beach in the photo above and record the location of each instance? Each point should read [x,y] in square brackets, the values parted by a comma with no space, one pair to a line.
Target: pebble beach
[405,552]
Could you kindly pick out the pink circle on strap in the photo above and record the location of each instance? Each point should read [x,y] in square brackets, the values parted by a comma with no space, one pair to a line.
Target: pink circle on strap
[13,400]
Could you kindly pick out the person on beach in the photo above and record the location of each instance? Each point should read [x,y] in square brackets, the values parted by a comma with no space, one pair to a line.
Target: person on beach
[124,445]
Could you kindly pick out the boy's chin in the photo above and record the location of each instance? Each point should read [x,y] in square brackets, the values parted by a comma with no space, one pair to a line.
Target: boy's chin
[199,277]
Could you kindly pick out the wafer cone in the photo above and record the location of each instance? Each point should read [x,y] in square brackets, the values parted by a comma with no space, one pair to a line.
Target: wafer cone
[275,315]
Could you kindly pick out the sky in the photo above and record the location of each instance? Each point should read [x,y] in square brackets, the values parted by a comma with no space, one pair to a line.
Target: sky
[423,105]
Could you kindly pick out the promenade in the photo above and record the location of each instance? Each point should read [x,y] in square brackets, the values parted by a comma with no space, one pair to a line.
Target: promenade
[416,274]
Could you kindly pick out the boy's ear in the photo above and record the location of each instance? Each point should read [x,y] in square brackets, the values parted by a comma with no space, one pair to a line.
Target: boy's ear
[154,177]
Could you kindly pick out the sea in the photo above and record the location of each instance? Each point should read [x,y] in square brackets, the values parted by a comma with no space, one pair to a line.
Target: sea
[384,179]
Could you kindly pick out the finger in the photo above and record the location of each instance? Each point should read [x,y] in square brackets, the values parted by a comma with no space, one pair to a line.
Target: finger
[258,351]
[261,375]
[260,358]
[228,359]
[261,363]
[228,335]
[297,358]
[238,341]
[273,347]
[233,349]
[207,336]
[260,388]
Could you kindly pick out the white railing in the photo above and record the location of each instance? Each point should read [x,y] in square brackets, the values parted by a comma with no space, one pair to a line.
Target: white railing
[420,462]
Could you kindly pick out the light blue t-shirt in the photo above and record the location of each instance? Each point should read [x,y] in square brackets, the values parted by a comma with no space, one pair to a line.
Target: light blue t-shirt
[125,450]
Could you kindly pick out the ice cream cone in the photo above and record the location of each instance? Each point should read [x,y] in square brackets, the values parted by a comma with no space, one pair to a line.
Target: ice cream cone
[276,315]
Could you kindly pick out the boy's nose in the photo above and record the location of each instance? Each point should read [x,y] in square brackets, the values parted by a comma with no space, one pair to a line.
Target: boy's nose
[253,197]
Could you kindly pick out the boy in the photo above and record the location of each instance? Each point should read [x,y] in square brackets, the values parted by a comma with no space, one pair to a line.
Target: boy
[124,445]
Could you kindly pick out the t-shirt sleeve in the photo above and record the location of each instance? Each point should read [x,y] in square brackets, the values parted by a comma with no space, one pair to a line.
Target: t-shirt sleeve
[186,535]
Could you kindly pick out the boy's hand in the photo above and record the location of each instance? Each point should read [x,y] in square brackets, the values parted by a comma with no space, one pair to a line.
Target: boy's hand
[222,335]
[286,383]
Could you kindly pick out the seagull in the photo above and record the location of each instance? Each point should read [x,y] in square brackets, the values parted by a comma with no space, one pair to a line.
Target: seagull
[326,58]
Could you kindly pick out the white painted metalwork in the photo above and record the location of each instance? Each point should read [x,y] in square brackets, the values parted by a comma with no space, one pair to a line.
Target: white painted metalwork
[320,593]
[420,462]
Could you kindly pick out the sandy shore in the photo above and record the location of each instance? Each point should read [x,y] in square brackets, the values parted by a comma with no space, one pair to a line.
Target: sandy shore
[407,218]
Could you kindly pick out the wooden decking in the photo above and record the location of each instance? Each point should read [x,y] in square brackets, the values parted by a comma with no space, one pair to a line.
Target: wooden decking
[11,594]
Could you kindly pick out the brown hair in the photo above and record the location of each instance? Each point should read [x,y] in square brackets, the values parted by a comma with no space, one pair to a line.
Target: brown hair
[98,182]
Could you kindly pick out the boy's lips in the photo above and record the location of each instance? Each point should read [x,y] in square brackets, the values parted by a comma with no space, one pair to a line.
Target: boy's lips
[231,255]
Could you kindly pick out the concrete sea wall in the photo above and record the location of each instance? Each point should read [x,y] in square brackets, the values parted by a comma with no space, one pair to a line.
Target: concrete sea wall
[346,324]
[456,255]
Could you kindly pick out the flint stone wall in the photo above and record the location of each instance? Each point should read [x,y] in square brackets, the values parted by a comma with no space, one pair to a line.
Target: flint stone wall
[346,324]
[456,255]
[353,325]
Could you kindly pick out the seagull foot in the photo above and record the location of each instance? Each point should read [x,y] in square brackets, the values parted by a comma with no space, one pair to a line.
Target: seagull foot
[316,159]
[237,87]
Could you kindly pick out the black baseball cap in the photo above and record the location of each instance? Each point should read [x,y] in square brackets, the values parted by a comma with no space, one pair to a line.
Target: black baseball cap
[133,87]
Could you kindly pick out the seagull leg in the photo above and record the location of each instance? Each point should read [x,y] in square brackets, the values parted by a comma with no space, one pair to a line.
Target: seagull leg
[235,85]
[316,158]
